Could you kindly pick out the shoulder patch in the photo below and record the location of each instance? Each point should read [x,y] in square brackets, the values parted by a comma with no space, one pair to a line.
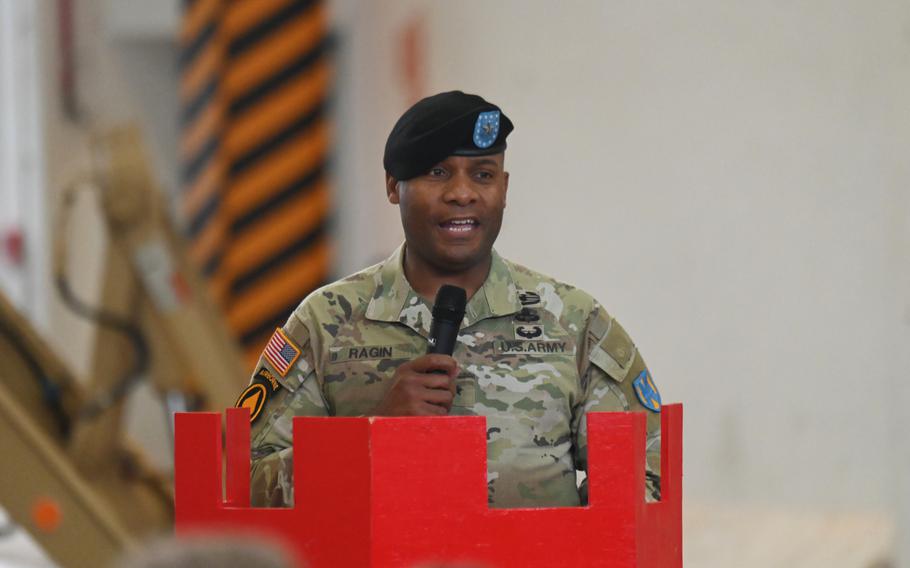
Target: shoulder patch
[266,377]
[253,398]
[281,352]
[646,391]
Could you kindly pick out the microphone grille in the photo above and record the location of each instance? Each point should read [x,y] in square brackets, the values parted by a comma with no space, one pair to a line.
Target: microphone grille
[450,303]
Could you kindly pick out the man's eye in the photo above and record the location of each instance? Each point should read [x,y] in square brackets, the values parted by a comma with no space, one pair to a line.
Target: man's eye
[485,175]
[437,172]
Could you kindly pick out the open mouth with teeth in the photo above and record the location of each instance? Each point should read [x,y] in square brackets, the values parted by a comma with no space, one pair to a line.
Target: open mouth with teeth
[457,226]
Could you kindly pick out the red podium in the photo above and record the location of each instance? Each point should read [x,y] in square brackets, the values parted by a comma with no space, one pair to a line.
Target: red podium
[403,492]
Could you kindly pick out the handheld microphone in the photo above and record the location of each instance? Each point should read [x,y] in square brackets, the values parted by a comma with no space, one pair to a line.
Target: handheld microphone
[448,311]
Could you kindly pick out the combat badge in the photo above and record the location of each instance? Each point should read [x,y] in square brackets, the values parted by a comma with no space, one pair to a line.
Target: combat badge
[486,129]
[529,331]
[646,391]
[527,315]
[528,326]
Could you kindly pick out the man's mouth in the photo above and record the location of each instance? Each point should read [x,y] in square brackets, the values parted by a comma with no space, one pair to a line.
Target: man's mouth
[460,226]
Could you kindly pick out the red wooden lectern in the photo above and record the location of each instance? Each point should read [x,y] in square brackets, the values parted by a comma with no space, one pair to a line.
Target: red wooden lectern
[403,492]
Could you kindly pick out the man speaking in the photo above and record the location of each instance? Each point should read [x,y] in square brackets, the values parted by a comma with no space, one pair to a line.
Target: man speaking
[533,355]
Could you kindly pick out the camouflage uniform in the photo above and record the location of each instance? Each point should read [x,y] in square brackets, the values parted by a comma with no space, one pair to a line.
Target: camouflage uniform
[535,355]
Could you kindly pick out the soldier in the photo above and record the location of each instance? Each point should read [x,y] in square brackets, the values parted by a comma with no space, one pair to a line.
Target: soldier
[534,355]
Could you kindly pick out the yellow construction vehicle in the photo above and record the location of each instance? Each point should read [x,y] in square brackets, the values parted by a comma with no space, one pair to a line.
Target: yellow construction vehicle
[70,475]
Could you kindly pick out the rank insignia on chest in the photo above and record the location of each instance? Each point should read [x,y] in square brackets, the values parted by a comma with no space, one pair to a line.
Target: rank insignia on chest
[646,391]
[528,298]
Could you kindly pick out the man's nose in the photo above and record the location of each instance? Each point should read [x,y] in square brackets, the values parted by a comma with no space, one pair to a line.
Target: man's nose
[460,191]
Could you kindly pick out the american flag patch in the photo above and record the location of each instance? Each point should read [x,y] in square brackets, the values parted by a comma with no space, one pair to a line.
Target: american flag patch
[280,352]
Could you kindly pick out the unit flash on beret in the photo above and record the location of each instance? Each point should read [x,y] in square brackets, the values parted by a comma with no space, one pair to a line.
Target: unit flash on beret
[486,129]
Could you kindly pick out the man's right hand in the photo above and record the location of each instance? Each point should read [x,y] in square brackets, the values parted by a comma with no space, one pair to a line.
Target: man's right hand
[418,391]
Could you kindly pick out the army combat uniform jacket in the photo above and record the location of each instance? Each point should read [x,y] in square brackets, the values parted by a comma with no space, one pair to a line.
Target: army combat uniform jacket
[535,356]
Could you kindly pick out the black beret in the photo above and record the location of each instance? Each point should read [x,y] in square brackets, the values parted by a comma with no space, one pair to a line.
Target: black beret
[443,125]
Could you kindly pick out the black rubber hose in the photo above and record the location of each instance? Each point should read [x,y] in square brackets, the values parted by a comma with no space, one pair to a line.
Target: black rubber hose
[50,388]
[121,325]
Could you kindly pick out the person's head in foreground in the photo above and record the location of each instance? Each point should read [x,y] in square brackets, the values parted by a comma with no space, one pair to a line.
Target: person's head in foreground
[208,552]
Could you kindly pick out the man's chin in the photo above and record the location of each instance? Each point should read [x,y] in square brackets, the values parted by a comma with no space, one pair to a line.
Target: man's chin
[454,261]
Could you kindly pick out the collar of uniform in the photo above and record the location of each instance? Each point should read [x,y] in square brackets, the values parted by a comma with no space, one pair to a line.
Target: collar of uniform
[497,297]
[392,289]
[394,295]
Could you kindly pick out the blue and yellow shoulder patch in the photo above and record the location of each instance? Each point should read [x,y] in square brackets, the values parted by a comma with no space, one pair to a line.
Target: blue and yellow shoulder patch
[646,391]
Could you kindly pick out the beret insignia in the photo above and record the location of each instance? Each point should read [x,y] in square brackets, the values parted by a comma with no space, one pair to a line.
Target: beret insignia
[486,129]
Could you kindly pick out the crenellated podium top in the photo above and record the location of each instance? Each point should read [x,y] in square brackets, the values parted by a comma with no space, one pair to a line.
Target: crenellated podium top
[402,492]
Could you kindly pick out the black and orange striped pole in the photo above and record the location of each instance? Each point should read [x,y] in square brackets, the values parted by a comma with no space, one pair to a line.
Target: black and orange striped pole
[255,82]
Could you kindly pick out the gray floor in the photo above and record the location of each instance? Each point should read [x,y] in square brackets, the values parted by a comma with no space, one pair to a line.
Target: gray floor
[18,550]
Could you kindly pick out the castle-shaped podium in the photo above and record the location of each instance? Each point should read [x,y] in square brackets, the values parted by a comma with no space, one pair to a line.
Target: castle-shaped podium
[404,492]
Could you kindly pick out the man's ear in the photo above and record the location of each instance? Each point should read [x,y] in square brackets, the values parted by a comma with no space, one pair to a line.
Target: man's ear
[391,189]
[505,189]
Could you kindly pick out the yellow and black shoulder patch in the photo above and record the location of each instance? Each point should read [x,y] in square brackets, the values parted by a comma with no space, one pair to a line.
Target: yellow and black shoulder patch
[256,395]
[266,377]
[253,398]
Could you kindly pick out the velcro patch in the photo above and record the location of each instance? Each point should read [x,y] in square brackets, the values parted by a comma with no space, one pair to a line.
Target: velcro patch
[618,345]
[615,352]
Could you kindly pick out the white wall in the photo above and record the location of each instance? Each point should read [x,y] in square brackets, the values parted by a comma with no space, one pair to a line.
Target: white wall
[731,180]
[369,102]
[22,202]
